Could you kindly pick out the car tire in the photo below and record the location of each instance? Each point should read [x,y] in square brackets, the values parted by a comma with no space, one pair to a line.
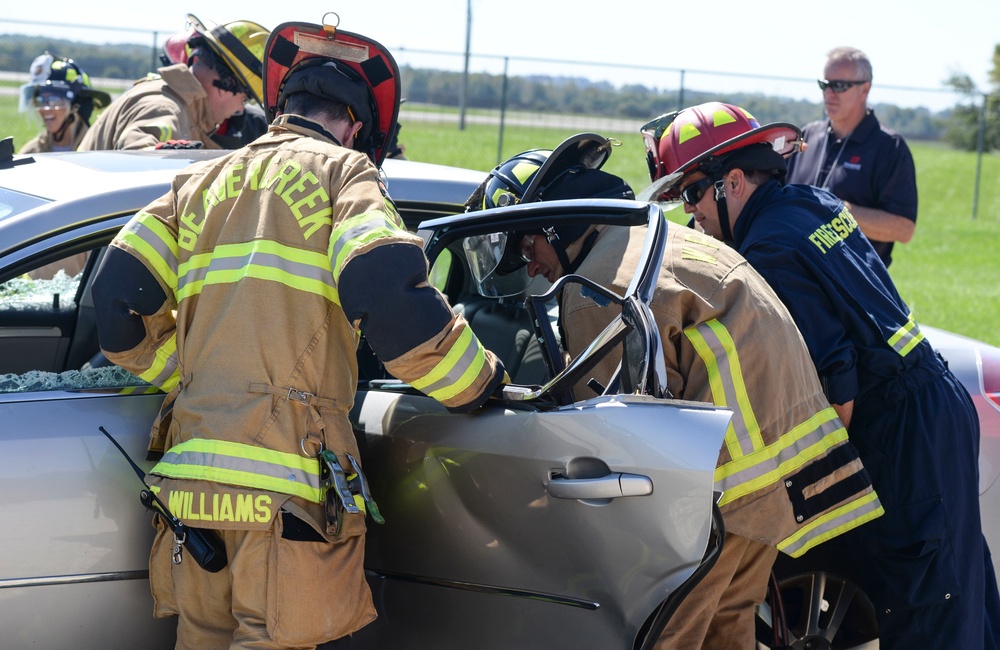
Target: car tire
[821,611]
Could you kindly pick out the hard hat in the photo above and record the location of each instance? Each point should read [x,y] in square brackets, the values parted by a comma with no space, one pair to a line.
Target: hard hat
[704,135]
[570,171]
[67,79]
[507,183]
[338,65]
[525,177]
[240,45]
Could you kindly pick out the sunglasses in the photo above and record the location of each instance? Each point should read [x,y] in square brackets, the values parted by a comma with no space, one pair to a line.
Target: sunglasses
[837,85]
[694,192]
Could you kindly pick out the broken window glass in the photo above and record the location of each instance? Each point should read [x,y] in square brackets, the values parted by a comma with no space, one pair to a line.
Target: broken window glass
[104,377]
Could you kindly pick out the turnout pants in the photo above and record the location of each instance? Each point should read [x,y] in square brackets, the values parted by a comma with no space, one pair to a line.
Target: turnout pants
[275,593]
[719,613]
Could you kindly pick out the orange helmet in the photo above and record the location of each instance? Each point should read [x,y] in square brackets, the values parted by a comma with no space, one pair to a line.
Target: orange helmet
[680,142]
[346,67]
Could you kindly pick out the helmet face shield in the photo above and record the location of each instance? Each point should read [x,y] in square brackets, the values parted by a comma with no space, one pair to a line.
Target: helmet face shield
[26,98]
[651,132]
[586,150]
[485,254]
[525,177]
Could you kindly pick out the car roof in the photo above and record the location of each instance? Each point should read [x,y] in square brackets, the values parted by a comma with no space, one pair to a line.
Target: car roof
[45,193]
[70,175]
[417,182]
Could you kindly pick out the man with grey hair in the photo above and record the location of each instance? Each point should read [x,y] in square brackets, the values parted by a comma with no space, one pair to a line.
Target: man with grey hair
[866,165]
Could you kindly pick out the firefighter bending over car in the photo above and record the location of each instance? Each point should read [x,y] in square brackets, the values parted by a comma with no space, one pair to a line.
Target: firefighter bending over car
[924,563]
[242,293]
[239,128]
[183,105]
[789,477]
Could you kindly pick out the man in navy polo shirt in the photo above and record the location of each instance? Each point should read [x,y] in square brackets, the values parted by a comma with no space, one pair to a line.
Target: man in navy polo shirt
[866,165]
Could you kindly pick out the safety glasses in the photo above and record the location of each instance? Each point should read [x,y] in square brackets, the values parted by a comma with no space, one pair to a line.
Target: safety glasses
[51,102]
[838,85]
[694,192]
[527,248]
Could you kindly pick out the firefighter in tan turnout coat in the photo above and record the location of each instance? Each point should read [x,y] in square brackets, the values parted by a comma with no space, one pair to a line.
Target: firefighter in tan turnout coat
[788,476]
[183,104]
[242,292]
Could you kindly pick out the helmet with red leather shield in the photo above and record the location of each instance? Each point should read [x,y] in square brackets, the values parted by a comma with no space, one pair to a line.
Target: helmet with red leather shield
[342,66]
[678,143]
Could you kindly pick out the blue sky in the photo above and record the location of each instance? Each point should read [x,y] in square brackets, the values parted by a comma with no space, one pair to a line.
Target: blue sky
[913,44]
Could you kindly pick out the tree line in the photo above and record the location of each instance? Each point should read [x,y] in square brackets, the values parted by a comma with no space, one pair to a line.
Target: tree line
[981,108]
[958,126]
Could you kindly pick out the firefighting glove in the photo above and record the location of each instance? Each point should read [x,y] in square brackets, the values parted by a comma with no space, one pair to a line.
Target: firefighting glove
[180,144]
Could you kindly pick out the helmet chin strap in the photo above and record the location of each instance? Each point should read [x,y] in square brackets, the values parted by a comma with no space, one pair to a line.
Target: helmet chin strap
[58,135]
[723,210]
[564,261]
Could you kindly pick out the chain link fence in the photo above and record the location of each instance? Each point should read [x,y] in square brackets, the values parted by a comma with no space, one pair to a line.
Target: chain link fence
[485,96]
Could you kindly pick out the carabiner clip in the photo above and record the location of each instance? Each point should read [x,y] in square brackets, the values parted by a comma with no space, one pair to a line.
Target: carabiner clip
[177,552]
[339,485]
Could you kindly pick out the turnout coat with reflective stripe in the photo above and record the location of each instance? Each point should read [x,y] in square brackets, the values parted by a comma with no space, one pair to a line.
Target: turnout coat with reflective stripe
[789,476]
[252,341]
[169,106]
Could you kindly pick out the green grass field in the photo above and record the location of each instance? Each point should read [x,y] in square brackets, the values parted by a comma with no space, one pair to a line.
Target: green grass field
[948,274]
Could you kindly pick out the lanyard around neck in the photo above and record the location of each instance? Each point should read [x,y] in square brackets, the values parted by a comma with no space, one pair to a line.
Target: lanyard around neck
[833,165]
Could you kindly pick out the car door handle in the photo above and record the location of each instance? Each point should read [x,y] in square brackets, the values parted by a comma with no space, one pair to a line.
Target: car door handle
[612,486]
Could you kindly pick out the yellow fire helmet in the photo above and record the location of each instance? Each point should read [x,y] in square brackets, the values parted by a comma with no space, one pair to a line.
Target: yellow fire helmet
[346,67]
[241,45]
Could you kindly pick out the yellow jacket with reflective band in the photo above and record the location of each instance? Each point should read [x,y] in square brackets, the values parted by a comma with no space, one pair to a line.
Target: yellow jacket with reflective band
[260,356]
[169,106]
[728,339]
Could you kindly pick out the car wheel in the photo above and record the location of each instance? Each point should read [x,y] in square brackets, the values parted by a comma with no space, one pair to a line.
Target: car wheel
[820,611]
